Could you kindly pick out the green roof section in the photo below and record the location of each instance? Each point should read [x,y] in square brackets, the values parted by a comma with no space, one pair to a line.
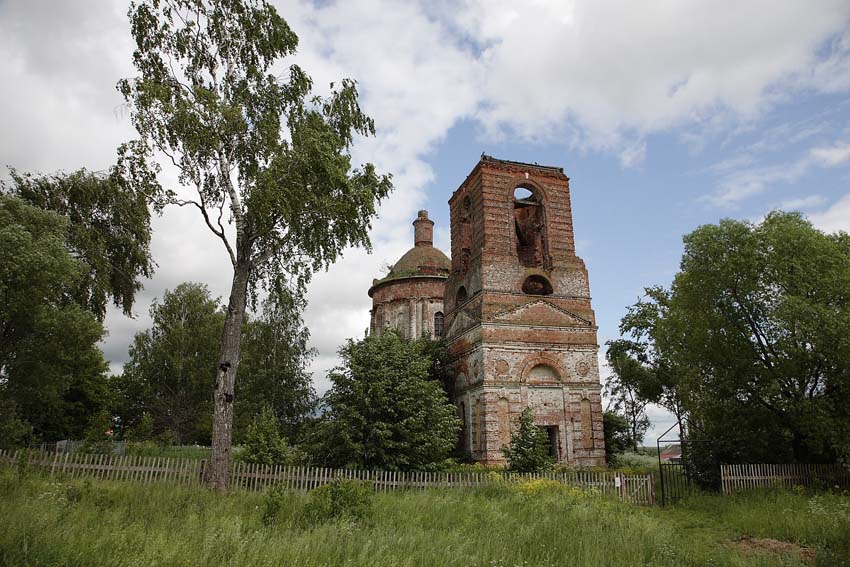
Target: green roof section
[423,260]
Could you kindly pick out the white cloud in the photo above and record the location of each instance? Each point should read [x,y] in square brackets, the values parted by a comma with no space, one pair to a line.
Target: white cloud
[801,203]
[831,156]
[619,69]
[737,185]
[835,218]
[740,178]
[600,74]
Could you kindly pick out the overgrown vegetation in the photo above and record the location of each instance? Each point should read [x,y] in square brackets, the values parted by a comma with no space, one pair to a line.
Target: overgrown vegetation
[214,92]
[748,347]
[529,448]
[78,523]
[384,410]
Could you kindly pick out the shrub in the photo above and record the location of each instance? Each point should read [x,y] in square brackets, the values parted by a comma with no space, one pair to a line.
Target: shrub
[529,450]
[99,435]
[279,502]
[340,499]
[142,431]
[76,492]
[263,442]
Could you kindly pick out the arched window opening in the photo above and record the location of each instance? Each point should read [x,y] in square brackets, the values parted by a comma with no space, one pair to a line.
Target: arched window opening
[461,296]
[438,324]
[536,285]
[529,228]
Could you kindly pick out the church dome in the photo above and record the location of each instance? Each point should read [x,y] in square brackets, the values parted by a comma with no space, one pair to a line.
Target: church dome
[423,260]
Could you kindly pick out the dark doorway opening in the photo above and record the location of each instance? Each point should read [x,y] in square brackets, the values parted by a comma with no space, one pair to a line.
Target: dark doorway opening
[553,442]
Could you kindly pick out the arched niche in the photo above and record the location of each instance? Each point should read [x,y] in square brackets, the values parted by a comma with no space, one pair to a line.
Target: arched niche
[537,285]
[542,374]
[461,296]
[540,368]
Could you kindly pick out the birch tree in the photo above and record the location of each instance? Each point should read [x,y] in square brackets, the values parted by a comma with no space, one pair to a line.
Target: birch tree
[267,163]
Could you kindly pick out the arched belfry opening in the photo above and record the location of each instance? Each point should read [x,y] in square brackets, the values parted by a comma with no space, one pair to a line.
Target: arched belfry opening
[530,227]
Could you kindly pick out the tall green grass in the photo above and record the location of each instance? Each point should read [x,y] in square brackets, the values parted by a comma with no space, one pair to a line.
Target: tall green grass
[49,522]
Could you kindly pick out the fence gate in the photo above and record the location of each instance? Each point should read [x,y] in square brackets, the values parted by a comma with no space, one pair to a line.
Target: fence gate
[676,478]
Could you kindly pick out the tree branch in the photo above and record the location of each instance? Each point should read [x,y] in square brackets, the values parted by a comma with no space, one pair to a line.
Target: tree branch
[218,233]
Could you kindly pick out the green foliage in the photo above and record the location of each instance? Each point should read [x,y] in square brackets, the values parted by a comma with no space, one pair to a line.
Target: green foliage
[14,432]
[109,232]
[634,463]
[210,95]
[168,379]
[279,504]
[617,434]
[383,411]
[51,370]
[624,389]
[273,370]
[166,386]
[263,443]
[339,500]
[749,344]
[529,449]
[98,439]
[152,449]
[175,525]
[140,431]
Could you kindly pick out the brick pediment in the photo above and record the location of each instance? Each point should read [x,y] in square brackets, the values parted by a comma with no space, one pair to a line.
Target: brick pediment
[541,312]
[461,321]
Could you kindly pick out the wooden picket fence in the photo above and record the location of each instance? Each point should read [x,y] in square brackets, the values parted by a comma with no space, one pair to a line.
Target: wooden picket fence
[736,478]
[636,489]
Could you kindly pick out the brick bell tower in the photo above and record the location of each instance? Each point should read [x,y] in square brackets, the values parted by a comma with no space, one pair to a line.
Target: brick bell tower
[519,324]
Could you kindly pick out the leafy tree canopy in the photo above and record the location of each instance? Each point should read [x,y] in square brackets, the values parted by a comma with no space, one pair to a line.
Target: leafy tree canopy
[168,376]
[255,146]
[52,373]
[750,343]
[383,411]
[165,390]
[624,388]
[618,437]
[108,232]
[275,358]
[263,443]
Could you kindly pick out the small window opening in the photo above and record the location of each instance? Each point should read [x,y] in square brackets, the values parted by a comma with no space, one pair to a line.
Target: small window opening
[438,324]
[536,285]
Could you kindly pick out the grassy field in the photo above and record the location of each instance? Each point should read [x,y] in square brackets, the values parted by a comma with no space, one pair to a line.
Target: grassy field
[75,523]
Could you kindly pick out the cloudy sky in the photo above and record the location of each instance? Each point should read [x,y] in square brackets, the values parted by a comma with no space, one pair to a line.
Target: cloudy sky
[665,114]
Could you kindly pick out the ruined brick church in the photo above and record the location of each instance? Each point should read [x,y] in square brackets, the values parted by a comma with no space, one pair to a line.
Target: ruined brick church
[514,306]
